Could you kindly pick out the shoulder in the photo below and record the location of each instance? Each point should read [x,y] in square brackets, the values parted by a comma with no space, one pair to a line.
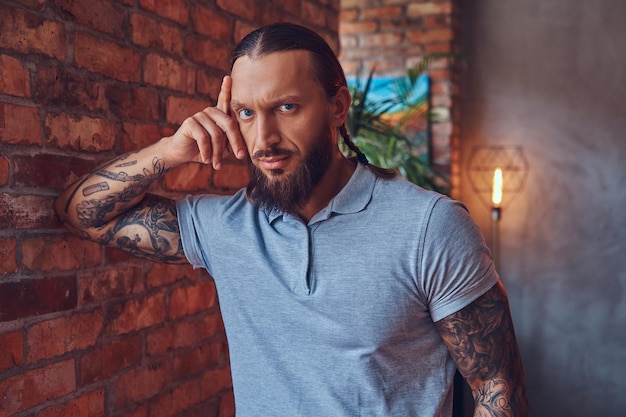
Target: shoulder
[217,205]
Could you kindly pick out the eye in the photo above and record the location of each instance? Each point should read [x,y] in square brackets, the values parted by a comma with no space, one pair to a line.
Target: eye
[244,114]
[287,107]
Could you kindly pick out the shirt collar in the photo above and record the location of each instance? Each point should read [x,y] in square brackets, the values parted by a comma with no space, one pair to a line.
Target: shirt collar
[352,198]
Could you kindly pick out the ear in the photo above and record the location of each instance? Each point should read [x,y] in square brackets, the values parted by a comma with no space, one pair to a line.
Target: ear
[340,106]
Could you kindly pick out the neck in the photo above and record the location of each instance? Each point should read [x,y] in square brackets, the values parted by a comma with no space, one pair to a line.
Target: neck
[333,181]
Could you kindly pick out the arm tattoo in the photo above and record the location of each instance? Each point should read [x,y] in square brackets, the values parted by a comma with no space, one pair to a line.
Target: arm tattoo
[481,340]
[149,230]
[92,213]
[92,189]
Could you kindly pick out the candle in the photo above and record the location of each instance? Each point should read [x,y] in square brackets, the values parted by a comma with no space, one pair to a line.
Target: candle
[496,192]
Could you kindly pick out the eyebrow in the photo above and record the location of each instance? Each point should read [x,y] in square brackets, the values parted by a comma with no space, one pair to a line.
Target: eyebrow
[289,98]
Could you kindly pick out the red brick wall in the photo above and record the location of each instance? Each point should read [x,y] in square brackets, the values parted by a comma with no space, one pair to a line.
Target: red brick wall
[87,331]
[393,36]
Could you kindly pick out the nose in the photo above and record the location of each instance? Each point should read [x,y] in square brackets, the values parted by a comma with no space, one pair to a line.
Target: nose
[267,135]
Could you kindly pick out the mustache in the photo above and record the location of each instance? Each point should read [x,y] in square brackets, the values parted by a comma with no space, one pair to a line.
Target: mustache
[267,153]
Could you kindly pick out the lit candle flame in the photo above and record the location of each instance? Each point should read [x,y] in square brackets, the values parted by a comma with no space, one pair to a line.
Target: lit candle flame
[496,193]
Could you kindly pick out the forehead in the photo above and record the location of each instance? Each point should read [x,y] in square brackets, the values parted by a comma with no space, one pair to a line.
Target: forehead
[272,75]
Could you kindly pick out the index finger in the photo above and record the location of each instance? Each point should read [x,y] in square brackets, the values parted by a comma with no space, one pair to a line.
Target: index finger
[223,98]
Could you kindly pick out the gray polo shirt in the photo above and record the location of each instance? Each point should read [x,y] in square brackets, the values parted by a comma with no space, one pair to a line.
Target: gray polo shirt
[336,317]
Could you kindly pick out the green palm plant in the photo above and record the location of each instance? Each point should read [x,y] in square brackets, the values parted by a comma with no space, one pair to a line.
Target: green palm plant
[395,142]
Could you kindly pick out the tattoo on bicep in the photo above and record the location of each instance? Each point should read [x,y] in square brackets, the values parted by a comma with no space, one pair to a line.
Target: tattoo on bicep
[155,231]
[482,342]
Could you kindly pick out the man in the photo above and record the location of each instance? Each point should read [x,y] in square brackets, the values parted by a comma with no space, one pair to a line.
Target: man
[344,291]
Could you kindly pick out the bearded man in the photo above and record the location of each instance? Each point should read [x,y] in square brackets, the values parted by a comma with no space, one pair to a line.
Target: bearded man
[344,291]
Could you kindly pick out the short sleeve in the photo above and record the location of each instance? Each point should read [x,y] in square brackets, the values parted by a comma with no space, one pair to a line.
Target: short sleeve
[456,266]
[189,232]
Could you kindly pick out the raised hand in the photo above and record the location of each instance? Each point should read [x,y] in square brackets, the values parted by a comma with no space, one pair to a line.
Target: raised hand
[209,135]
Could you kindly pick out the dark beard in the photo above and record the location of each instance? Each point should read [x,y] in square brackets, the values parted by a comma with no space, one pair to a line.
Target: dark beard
[288,193]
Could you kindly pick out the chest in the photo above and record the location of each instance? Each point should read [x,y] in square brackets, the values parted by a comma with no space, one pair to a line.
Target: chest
[322,281]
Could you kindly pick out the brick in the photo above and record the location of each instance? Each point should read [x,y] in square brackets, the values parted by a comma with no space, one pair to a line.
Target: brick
[130,102]
[207,83]
[8,261]
[381,39]
[439,48]
[268,13]
[12,348]
[136,314]
[213,24]
[27,212]
[429,36]
[381,12]
[208,53]
[242,29]
[105,57]
[216,381]
[4,171]
[175,10]
[177,401]
[428,8]
[19,125]
[227,404]
[439,75]
[87,405]
[58,336]
[243,9]
[192,299]
[34,387]
[179,108]
[194,362]
[357,28]
[99,15]
[56,85]
[80,133]
[313,13]
[163,274]
[14,78]
[232,176]
[109,359]
[108,284]
[48,170]
[141,411]
[437,21]
[290,6]
[191,177]
[348,15]
[50,253]
[152,33]
[28,33]
[210,325]
[169,73]
[138,136]
[140,383]
[171,337]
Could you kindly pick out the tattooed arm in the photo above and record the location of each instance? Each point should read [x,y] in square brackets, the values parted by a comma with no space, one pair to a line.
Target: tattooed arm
[482,342]
[111,205]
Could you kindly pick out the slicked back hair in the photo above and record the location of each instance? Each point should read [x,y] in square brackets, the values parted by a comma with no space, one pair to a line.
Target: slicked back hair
[327,70]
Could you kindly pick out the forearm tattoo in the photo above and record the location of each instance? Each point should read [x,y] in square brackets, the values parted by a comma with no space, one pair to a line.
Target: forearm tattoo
[482,342]
[149,229]
[93,212]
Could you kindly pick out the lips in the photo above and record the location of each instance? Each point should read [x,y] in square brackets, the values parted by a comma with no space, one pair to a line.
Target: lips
[273,163]
[273,159]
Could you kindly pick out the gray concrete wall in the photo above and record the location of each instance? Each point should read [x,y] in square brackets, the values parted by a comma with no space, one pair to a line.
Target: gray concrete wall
[550,76]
